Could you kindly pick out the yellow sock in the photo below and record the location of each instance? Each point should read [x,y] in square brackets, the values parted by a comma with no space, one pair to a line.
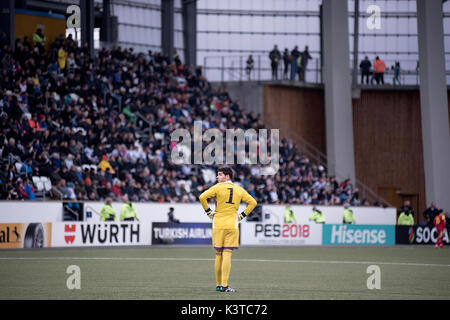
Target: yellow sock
[218,268]
[226,266]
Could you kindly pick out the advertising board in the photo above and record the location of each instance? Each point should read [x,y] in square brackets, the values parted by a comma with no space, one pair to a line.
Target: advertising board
[25,235]
[419,235]
[74,234]
[255,233]
[181,233]
[349,234]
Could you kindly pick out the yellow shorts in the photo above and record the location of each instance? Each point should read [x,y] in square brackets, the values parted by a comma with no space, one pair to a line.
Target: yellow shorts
[225,239]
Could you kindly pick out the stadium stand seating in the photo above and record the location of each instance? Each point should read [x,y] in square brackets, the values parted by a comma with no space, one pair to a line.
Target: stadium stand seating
[101,127]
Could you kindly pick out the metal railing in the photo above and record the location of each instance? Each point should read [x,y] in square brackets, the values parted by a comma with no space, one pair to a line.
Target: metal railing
[234,68]
[91,210]
[409,72]
[59,193]
[304,146]
[147,130]
[66,207]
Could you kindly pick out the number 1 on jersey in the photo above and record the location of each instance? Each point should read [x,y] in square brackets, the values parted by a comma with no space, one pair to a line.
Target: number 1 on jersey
[230,200]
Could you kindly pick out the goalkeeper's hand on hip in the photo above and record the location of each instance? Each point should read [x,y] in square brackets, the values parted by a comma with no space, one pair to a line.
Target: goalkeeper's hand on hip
[210,213]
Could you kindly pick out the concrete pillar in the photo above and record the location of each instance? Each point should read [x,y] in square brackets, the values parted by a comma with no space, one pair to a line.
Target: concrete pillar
[355,45]
[434,103]
[7,15]
[167,27]
[190,31]
[337,85]
[106,24]
[87,24]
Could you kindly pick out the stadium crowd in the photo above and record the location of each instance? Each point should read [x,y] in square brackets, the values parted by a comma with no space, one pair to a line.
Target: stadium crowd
[62,112]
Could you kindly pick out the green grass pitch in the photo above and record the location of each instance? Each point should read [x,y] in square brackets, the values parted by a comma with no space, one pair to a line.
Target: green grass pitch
[187,273]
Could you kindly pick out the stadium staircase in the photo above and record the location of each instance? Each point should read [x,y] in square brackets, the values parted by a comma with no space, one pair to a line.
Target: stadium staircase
[320,158]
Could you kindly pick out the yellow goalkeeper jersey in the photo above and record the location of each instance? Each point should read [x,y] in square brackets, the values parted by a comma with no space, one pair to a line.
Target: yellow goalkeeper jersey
[228,198]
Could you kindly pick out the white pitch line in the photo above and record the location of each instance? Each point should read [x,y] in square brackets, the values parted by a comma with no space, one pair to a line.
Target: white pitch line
[242,260]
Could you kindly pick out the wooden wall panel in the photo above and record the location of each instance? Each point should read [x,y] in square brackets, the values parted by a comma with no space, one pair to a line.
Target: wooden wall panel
[387,136]
[388,143]
[296,111]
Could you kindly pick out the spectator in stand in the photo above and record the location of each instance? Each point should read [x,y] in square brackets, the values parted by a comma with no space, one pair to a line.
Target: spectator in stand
[379,68]
[27,168]
[365,66]
[176,57]
[249,67]
[116,189]
[67,189]
[62,58]
[105,165]
[287,62]
[430,213]
[295,54]
[396,78]
[377,203]
[3,39]
[275,57]
[11,151]
[305,57]
[27,190]
[39,40]
[77,113]
[11,191]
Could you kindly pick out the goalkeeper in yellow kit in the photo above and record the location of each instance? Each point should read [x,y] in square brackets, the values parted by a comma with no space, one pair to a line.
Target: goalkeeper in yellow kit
[225,221]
